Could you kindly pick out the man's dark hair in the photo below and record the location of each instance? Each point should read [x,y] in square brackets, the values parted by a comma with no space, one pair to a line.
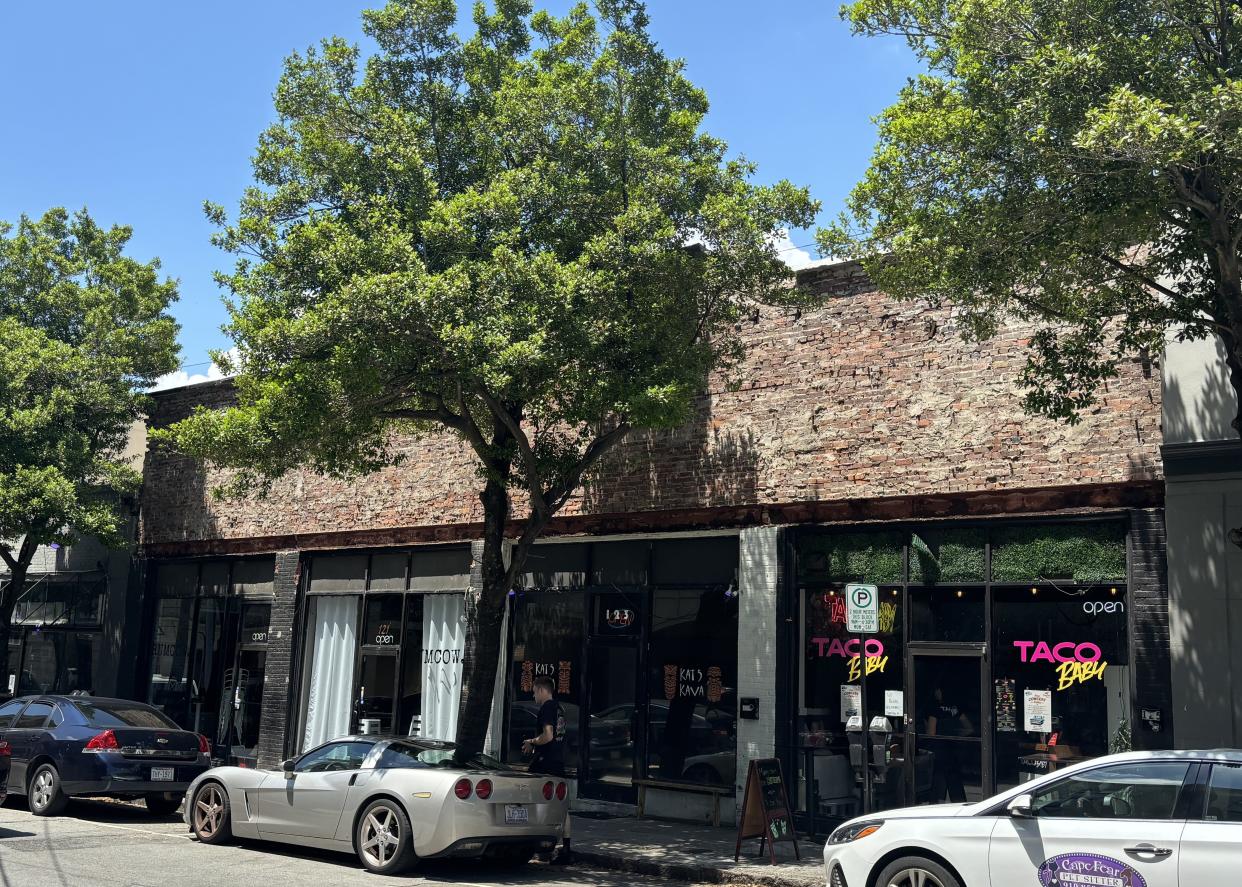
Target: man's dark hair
[546,683]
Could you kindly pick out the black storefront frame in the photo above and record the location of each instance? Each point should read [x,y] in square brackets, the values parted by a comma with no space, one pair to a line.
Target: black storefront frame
[234,604]
[790,641]
[299,668]
[580,769]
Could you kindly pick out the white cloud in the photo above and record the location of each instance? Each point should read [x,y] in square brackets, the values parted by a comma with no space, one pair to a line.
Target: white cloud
[180,378]
[795,257]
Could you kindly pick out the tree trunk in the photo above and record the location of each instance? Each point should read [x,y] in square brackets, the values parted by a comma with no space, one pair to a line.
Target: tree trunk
[483,640]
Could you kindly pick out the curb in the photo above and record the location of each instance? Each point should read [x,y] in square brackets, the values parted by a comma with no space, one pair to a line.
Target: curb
[702,874]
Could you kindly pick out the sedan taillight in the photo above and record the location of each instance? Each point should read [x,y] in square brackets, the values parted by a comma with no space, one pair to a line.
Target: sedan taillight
[561,791]
[484,789]
[463,788]
[547,791]
[204,745]
[105,741]
[6,750]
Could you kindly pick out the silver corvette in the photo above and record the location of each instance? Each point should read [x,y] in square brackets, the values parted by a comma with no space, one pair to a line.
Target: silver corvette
[391,801]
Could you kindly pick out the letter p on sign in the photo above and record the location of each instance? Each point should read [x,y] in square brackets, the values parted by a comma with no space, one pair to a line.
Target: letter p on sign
[862,609]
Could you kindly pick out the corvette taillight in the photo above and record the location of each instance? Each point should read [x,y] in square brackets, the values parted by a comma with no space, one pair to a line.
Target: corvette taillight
[105,741]
[484,789]
[462,789]
[547,791]
[561,791]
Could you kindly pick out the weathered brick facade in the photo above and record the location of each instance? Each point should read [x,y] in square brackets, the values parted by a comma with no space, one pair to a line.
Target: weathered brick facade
[862,400]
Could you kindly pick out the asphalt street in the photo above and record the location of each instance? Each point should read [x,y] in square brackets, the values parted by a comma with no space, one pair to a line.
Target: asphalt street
[107,844]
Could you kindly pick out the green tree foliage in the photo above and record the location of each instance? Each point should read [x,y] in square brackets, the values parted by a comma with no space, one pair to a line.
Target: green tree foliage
[83,330]
[1074,163]
[522,237]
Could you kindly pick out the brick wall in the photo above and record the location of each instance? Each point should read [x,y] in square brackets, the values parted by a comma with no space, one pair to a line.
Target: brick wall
[859,399]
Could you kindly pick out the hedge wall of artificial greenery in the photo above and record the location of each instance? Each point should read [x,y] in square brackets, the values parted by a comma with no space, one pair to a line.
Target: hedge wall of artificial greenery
[948,556]
[1084,552]
[851,557]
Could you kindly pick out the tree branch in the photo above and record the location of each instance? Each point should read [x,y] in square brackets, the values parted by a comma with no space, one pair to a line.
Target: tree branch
[538,501]
[559,493]
[1140,276]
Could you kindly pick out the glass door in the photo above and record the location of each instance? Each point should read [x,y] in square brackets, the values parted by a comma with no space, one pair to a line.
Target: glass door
[375,692]
[949,745]
[243,681]
[614,720]
[612,728]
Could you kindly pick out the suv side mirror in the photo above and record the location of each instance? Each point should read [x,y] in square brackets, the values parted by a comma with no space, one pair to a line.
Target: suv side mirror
[287,766]
[1020,807]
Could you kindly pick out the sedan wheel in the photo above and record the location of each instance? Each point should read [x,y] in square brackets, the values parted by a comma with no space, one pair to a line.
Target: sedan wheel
[383,838]
[914,871]
[209,814]
[46,798]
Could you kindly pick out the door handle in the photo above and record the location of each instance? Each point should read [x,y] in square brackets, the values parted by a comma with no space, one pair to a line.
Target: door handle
[1150,850]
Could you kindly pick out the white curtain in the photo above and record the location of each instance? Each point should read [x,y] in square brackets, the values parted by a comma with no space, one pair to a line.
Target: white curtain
[332,673]
[444,644]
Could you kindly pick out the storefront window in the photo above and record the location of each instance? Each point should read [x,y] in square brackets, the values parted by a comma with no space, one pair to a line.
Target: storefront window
[59,661]
[409,713]
[170,660]
[383,625]
[330,649]
[547,642]
[947,614]
[984,678]
[832,660]
[1061,678]
[692,685]
[49,601]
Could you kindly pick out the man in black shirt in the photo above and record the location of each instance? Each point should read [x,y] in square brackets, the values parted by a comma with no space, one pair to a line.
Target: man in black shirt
[549,745]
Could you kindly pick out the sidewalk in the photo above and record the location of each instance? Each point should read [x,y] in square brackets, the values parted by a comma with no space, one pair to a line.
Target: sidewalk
[691,852]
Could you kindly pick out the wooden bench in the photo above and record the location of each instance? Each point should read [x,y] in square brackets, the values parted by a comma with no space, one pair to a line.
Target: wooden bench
[716,791]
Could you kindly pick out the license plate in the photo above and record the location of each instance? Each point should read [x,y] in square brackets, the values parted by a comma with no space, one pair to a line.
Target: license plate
[516,814]
[163,774]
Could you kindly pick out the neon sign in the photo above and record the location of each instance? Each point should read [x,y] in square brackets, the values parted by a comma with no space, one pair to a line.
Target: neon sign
[1063,652]
[1076,663]
[874,664]
[873,648]
[836,612]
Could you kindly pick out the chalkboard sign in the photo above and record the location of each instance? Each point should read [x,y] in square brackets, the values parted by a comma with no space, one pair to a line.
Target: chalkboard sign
[765,809]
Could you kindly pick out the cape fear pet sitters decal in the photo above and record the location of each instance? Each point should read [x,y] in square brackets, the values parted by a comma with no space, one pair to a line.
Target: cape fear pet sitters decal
[1087,870]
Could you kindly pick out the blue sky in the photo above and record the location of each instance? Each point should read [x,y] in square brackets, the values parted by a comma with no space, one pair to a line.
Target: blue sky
[141,110]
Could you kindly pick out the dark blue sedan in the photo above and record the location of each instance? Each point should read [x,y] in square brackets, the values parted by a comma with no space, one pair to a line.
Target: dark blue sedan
[83,746]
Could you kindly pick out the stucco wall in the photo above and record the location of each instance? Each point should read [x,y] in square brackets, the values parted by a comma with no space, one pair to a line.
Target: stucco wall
[1198,402]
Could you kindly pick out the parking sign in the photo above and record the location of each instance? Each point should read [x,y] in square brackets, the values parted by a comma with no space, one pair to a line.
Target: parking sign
[862,609]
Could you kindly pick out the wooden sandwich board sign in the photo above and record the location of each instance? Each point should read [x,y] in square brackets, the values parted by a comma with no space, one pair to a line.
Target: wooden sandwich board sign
[765,810]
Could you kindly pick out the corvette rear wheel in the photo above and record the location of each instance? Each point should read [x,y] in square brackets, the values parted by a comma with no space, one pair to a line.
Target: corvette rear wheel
[210,817]
[916,871]
[383,838]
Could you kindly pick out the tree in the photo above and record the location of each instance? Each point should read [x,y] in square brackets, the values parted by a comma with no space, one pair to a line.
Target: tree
[1076,163]
[521,238]
[83,330]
